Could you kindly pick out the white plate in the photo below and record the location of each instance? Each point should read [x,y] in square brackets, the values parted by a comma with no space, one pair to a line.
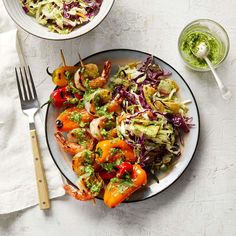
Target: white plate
[118,58]
[30,24]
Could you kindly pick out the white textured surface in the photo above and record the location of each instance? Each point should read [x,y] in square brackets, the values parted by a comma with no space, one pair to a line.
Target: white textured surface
[17,178]
[203,200]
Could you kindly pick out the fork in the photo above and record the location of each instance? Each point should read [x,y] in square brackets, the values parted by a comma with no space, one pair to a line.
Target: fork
[30,106]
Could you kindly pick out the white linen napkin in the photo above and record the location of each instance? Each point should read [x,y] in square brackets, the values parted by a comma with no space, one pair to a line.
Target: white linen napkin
[17,178]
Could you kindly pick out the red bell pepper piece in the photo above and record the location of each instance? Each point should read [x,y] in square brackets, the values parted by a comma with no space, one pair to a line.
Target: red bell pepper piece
[124,168]
[105,175]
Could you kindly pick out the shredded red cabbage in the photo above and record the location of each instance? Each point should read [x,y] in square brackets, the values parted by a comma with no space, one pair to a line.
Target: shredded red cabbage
[92,10]
[147,149]
[184,123]
[26,10]
[153,71]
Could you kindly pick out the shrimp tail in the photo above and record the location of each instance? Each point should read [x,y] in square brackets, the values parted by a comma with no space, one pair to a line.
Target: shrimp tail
[115,104]
[68,147]
[60,139]
[101,81]
[77,194]
[106,70]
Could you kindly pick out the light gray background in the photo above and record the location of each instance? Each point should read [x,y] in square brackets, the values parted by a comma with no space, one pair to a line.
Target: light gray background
[203,200]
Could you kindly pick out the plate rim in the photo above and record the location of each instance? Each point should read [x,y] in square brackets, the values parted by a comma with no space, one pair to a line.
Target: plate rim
[195,102]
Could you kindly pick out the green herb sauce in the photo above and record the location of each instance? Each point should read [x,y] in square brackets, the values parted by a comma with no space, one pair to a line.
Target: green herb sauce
[123,184]
[190,43]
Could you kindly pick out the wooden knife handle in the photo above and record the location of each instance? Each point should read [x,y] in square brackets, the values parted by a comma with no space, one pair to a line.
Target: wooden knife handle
[44,202]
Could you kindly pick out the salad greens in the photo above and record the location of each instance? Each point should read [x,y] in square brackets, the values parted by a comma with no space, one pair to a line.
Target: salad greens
[154,115]
[61,16]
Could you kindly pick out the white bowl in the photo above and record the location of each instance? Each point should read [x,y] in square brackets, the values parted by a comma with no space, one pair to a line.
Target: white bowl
[30,24]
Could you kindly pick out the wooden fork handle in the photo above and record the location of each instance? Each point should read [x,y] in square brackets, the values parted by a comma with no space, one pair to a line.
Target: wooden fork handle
[44,202]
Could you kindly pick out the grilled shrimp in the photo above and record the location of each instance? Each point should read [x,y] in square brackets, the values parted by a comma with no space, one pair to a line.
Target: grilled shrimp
[90,72]
[78,140]
[81,159]
[100,81]
[78,194]
[98,129]
[114,105]
[88,187]
[99,98]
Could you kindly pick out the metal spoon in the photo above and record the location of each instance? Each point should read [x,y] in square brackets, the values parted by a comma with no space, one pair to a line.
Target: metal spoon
[202,52]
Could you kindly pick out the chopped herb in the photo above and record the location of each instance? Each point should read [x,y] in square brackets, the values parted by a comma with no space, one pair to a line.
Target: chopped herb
[88,157]
[103,132]
[76,117]
[111,85]
[88,184]
[97,100]
[81,103]
[113,141]
[72,101]
[99,152]
[118,162]
[122,184]
[102,111]
[80,135]
[115,180]
[127,177]
[72,88]
[88,170]
[87,86]
[114,151]
[109,124]
[108,166]
[83,124]
[96,187]
[68,75]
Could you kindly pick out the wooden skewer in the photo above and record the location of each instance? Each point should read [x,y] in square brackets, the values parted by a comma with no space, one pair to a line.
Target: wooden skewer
[63,58]
[64,61]
[81,62]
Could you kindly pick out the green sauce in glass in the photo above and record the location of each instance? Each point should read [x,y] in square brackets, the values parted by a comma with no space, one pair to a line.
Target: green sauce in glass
[190,42]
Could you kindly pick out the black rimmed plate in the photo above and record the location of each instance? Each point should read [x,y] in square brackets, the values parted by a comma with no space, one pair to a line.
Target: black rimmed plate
[120,57]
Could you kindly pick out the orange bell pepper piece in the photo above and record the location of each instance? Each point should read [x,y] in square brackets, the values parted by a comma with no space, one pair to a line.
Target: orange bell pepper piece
[65,122]
[105,147]
[114,194]
[59,77]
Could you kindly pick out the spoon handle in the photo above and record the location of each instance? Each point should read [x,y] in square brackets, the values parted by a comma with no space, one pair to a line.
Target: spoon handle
[226,94]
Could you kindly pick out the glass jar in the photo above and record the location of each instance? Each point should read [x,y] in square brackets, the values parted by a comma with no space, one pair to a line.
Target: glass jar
[212,34]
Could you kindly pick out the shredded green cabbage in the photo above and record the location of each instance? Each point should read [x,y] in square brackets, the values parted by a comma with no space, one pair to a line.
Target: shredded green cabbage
[61,16]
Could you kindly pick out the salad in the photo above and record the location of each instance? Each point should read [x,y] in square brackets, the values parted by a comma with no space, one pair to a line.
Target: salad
[61,16]
[119,129]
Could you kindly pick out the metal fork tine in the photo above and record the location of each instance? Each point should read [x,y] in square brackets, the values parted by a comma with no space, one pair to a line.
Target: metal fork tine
[28,87]
[18,85]
[32,83]
[23,85]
